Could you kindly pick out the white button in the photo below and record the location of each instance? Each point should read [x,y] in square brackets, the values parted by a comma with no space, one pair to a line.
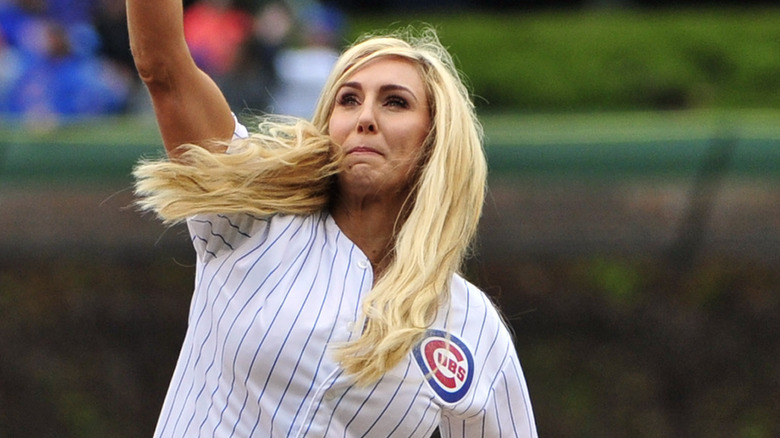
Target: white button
[330,395]
[363,264]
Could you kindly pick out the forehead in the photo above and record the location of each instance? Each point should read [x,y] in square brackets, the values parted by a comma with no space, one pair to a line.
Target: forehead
[388,70]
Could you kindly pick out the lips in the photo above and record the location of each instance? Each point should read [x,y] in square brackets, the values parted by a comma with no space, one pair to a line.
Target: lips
[363,150]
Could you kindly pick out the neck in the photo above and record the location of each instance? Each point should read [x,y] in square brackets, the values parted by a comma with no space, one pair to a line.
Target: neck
[370,224]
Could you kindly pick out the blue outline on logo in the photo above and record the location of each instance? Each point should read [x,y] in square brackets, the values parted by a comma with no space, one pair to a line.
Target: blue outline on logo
[447,396]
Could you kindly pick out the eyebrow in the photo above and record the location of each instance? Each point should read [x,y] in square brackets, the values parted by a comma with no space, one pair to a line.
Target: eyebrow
[382,89]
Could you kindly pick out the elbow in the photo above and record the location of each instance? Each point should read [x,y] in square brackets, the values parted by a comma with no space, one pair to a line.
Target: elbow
[158,68]
[154,72]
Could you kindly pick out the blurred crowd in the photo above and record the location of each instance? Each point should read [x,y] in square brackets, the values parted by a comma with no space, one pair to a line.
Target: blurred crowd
[62,60]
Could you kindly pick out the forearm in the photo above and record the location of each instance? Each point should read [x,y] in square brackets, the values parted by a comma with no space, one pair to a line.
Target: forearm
[188,105]
[156,35]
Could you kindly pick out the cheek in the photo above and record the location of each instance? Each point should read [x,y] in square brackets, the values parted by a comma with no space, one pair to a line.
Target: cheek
[417,136]
[337,130]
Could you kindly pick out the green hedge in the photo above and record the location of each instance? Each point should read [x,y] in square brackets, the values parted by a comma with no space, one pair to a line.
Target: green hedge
[618,60]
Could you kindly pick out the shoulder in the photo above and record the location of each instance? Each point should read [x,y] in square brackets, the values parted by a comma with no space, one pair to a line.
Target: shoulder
[470,361]
[215,234]
[473,315]
[471,333]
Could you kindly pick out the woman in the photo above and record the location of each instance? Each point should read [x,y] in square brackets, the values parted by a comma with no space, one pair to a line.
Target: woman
[327,300]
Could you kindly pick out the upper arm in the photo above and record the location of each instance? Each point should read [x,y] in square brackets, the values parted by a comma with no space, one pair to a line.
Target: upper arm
[499,404]
[507,413]
[190,108]
[188,105]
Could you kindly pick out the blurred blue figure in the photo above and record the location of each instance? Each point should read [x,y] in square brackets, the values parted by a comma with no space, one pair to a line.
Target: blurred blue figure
[11,67]
[72,11]
[60,76]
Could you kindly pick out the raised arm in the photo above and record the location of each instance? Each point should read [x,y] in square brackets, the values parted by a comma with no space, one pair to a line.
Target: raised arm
[188,105]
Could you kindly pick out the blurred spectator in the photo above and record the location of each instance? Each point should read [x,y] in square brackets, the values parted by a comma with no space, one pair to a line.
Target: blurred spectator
[111,23]
[249,85]
[63,83]
[11,67]
[215,31]
[72,11]
[303,69]
[60,75]
[61,59]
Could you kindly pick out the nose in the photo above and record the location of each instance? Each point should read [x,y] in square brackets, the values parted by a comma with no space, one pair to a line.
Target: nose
[366,122]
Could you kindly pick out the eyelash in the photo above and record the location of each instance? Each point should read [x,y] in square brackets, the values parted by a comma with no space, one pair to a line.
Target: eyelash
[350,99]
[397,101]
[347,99]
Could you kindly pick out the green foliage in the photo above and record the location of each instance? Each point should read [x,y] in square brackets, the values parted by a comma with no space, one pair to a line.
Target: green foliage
[625,346]
[617,279]
[636,60]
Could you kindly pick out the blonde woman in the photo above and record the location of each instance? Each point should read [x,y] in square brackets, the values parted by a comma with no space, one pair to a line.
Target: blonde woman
[327,296]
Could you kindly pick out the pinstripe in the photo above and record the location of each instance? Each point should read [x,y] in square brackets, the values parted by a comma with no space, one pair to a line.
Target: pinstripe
[445,426]
[197,321]
[406,413]
[482,370]
[360,408]
[341,399]
[233,323]
[213,303]
[211,231]
[270,299]
[324,348]
[319,405]
[268,331]
[308,338]
[468,309]
[198,238]
[481,326]
[214,357]
[508,403]
[305,345]
[517,372]
[191,351]
[235,357]
[495,407]
[287,336]
[422,418]
[389,402]
[246,303]
[355,315]
[478,377]
[234,226]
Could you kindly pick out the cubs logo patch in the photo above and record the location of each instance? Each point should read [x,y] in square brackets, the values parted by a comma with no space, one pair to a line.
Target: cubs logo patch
[447,364]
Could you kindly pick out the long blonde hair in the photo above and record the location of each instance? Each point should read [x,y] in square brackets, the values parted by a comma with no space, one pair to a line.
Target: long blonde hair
[434,235]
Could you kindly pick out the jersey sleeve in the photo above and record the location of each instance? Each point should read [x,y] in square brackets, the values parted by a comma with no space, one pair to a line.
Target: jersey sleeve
[239,131]
[506,413]
[497,403]
[212,234]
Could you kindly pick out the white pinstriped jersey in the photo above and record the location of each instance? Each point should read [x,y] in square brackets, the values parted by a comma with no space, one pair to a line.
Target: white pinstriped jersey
[274,295]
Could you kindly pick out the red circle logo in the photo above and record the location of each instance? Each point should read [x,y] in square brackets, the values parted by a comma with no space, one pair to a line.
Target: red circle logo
[447,363]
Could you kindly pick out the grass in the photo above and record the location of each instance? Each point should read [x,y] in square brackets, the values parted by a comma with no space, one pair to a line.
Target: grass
[606,61]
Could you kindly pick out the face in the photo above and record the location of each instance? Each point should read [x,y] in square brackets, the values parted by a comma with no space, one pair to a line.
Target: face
[380,119]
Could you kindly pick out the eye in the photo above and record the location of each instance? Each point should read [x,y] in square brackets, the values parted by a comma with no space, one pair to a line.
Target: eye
[397,101]
[348,99]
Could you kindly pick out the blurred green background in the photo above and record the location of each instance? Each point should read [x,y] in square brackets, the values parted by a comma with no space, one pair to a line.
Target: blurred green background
[631,234]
